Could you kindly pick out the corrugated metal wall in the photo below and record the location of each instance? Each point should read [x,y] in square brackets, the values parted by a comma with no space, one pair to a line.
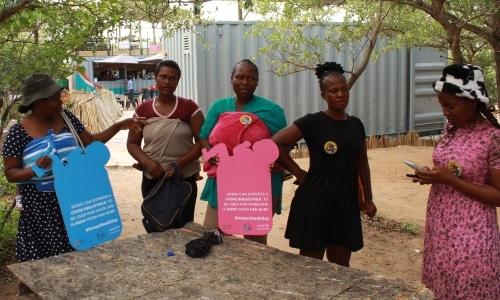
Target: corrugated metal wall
[425,111]
[394,94]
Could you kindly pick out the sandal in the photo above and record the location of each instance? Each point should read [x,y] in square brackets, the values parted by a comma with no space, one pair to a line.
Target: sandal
[287,175]
[214,237]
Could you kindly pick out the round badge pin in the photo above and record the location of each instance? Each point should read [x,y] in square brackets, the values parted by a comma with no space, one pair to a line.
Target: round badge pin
[246,120]
[330,147]
[455,168]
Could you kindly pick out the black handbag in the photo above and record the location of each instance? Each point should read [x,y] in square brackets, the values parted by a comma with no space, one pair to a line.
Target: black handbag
[162,207]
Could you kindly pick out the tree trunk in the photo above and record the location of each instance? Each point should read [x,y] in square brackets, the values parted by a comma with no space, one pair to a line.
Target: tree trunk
[453,36]
[5,113]
[497,69]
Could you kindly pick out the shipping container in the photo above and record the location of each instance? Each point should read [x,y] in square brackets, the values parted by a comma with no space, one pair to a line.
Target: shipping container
[393,96]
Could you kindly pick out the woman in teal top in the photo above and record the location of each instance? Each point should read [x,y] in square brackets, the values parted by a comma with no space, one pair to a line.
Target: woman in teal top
[227,122]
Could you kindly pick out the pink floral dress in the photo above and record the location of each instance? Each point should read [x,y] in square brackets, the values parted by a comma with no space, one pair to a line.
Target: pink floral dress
[462,239]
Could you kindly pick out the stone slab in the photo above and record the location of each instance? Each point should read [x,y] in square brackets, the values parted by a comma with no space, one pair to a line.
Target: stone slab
[139,268]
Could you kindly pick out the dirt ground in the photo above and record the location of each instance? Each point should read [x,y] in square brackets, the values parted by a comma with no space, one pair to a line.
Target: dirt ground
[393,239]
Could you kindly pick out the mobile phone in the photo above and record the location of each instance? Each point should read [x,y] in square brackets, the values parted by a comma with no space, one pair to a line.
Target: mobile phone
[412,165]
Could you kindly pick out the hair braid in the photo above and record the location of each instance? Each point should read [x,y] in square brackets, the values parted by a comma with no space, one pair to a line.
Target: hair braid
[488,112]
[483,109]
[326,69]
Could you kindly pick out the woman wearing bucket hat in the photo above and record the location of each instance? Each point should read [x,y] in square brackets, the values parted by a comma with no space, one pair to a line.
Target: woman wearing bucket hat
[462,239]
[41,231]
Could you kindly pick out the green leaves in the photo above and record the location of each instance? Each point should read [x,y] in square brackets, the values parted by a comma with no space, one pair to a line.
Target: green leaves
[467,28]
[247,4]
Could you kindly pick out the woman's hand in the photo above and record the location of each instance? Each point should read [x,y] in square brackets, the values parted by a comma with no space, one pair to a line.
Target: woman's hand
[437,175]
[170,172]
[214,160]
[154,169]
[138,166]
[135,124]
[300,177]
[370,208]
[44,162]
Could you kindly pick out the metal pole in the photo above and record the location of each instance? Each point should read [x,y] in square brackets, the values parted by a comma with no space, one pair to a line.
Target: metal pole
[130,39]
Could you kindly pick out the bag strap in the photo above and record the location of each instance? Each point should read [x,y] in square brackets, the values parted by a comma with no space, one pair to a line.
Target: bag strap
[361,195]
[178,177]
[73,131]
[358,124]
[170,134]
[177,174]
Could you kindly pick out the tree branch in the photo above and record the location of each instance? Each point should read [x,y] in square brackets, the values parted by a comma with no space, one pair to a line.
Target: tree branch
[8,12]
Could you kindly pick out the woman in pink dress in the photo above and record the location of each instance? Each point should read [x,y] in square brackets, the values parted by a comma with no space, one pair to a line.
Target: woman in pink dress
[462,239]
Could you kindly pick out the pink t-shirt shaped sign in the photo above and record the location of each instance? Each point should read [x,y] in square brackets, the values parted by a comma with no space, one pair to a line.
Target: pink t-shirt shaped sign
[244,187]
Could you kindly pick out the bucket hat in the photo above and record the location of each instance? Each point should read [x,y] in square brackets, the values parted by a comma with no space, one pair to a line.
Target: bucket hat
[35,87]
[463,80]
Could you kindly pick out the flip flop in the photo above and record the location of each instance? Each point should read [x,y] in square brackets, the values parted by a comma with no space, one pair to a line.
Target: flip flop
[287,175]
[214,237]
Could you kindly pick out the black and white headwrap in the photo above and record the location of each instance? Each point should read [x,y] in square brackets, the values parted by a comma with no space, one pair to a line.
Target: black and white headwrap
[463,80]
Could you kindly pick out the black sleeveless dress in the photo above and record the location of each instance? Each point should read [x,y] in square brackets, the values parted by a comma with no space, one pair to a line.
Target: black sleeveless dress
[324,210]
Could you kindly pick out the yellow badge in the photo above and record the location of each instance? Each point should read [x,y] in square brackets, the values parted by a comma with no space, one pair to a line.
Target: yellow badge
[455,168]
[330,147]
[246,120]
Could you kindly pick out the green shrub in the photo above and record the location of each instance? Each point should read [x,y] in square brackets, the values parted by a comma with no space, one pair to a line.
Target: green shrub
[8,217]
[8,227]
[409,227]
[6,188]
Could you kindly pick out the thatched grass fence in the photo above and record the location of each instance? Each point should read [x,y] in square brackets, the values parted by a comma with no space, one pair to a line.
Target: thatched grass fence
[97,110]
[412,138]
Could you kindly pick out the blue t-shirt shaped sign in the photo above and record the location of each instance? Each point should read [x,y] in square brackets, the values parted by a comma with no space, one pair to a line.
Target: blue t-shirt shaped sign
[86,198]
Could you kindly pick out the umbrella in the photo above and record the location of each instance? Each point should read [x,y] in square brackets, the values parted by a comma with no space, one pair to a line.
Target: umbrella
[154,59]
[121,59]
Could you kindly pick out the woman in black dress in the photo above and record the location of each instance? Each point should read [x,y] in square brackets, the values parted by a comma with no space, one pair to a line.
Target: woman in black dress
[324,214]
